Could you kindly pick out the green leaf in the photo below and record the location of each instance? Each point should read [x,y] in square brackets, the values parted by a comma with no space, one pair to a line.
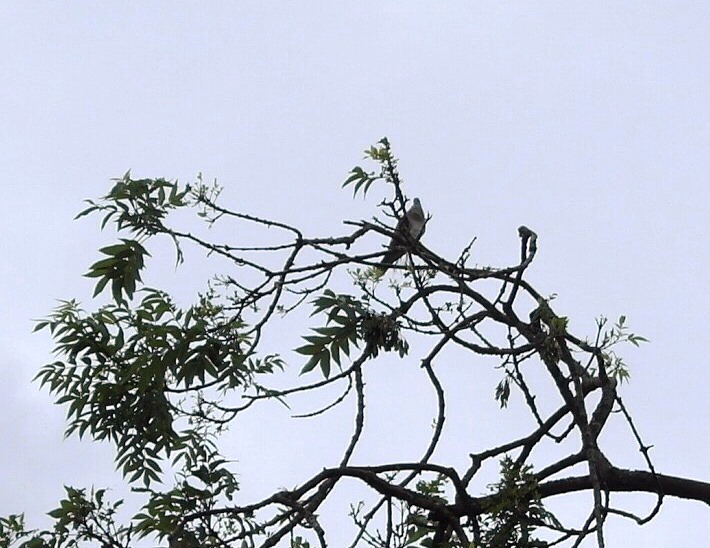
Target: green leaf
[335,353]
[324,358]
[308,350]
[58,513]
[115,250]
[329,331]
[310,365]
[116,288]
[86,211]
[100,285]
[39,326]
[34,543]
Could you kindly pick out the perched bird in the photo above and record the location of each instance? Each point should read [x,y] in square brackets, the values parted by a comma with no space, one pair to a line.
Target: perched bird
[409,228]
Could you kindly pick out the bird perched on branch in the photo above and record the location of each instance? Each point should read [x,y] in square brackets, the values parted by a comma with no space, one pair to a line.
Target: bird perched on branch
[409,228]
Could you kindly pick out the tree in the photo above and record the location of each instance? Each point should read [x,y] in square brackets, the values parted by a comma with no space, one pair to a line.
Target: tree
[163,383]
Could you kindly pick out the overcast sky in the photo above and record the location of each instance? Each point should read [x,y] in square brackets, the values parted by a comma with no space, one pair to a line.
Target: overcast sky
[587,122]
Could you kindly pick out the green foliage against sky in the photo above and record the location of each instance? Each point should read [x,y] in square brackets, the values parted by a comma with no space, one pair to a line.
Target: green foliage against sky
[163,383]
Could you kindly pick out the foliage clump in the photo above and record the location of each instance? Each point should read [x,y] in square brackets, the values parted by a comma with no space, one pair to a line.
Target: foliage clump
[162,382]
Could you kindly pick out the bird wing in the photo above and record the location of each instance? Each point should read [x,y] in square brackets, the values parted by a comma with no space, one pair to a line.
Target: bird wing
[412,224]
[415,219]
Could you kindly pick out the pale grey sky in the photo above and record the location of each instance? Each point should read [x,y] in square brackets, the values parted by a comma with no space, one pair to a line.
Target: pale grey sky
[588,122]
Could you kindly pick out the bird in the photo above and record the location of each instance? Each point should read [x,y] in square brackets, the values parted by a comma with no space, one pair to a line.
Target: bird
[409,228]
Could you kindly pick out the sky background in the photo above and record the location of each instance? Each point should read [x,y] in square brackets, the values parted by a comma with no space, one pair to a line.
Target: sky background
[589,123]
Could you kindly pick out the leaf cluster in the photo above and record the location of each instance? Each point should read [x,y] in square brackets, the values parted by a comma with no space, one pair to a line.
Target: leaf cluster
[360,179]
[344,312]
[162,382]
[517,509]
[122,268]
[349,321]
[618,333]
[139,205]
[120,365]
[79,518]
